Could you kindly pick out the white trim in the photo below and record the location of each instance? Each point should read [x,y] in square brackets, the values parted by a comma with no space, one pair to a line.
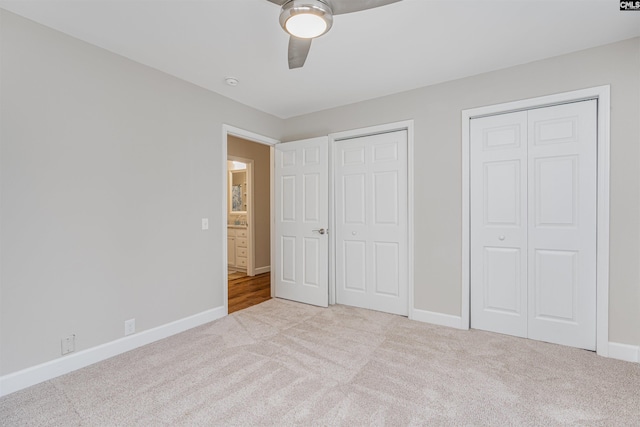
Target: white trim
[439,319]
[407,125]
[251,259]
[410,219]
[371,130]
[602,248]
[626,352]
[602,94]
[250,136]
[466,224]
[74,361]
[261,270]
[332,221]
[272,212]
[539,102]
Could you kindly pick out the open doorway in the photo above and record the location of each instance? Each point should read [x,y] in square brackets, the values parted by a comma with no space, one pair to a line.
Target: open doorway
[247,219]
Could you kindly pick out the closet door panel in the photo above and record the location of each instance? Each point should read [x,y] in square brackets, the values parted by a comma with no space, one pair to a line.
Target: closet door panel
[499,223]
[562,185]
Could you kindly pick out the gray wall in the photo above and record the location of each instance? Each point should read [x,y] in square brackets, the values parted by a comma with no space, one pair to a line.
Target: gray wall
[261,156]
[107,168]
[438,157]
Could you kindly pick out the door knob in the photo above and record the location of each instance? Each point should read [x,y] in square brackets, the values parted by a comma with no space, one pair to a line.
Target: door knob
[321,230]
[501,237]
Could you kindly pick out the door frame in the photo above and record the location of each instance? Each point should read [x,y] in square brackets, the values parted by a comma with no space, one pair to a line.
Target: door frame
[260,139]
[602,95]
[366,131]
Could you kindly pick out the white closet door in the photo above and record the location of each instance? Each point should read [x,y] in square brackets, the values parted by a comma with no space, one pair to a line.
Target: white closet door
[562,224]
[533,224]
[302,215]
[499,223]
[371,222]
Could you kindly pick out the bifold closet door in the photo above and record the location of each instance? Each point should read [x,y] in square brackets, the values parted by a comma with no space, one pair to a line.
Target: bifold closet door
[533,224]
[371,222]
[499,223]
[562,224]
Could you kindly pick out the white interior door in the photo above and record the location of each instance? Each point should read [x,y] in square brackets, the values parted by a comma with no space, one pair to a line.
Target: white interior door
[562,224]
[533,224]
[499,223]
[301,219]
[371,222]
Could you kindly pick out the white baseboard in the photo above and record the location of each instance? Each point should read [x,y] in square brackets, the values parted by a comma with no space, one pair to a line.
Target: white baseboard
[629,353]
[261,270]
[54,368]
[626,352]
[440,319]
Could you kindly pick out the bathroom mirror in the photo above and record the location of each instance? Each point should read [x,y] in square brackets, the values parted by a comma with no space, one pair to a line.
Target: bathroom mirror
[236,198]
[238,191]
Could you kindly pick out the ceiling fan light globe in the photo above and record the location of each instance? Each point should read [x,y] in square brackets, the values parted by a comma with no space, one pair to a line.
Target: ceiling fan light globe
[306,19]
[306,26]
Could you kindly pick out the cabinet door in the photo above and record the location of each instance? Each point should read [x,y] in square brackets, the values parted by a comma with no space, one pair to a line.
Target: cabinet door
[231,251]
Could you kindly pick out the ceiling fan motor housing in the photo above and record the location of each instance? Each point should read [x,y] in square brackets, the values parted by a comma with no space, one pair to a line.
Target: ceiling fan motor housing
[316,8]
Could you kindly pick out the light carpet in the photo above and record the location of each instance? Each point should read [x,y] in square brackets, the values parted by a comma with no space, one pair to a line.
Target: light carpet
[281,363]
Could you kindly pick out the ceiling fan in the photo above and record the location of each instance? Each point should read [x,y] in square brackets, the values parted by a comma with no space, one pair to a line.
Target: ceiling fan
[305,20]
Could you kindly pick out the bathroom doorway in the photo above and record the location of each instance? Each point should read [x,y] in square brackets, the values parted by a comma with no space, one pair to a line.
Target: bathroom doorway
[248,223]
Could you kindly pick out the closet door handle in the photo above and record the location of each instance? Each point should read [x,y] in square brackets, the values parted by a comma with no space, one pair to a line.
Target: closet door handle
[321,231]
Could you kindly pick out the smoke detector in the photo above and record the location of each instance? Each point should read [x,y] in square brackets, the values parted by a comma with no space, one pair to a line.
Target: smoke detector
[231,81]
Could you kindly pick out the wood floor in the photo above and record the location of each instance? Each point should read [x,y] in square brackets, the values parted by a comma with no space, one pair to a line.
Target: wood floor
[247,291]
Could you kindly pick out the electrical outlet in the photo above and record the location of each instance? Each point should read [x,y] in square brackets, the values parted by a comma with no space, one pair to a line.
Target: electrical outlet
[129,326]
[205,223]
[68,344]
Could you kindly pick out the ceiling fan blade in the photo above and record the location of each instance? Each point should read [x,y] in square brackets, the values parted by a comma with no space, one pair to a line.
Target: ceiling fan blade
[278,2]
[340,7]
[298,51]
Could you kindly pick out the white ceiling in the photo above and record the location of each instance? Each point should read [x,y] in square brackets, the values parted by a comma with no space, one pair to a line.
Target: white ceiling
[367,54]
